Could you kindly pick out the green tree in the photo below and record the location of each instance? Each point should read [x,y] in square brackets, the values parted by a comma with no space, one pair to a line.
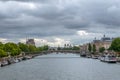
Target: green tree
[101,49]
[89,47]
[94,48]
[59,48]
[76,48]
[39,49]
[3,53]
[1,45]
[115,45]
[23,47]
[15,52]
[45,47]
[8,47]
[32,48]
[11,47]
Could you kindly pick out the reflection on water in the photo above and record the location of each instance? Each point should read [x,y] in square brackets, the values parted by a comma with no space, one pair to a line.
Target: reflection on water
[61,67]
[58,56]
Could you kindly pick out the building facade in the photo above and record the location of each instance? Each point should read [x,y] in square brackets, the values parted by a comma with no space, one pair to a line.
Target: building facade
[84,47]
[30,42]
[103,42]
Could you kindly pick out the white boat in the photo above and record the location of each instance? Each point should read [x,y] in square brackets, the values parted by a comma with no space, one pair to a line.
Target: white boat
[16,60]
[118,59]
[4,63]
[108,58]
[88,56]
[83,54]
[95,56]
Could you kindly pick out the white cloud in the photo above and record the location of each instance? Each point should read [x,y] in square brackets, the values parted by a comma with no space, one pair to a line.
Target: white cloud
[76,20]
[60,42]
[82,33]
[89,35]
[54,43]
[3,40]
[28,5]
[22,40]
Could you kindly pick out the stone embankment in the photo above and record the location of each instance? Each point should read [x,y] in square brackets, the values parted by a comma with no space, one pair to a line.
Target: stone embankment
[11,60]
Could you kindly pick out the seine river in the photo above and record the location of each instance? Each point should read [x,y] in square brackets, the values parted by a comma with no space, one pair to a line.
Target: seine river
[61,67]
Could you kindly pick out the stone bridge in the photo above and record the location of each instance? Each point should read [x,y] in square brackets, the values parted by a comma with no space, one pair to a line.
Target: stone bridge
[61,51]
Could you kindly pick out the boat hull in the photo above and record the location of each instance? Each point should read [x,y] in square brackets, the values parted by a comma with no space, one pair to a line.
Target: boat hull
[108,60]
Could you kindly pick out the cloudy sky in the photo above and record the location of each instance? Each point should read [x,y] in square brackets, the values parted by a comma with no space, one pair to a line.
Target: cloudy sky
[56,22]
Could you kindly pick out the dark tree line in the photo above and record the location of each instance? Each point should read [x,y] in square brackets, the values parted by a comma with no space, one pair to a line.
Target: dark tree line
[13,49]
[92,48]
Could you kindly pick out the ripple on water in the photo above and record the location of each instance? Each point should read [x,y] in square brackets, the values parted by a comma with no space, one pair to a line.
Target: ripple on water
[71,67]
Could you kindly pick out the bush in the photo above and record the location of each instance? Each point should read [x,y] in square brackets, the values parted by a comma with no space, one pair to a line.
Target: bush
[3,53]
[102,49]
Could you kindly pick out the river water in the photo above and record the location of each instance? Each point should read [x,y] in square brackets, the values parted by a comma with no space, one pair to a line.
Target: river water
[61,67]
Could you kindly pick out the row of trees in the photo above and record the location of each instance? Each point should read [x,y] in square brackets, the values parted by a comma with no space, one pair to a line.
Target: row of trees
[115,45]
[92,48]
[15,49]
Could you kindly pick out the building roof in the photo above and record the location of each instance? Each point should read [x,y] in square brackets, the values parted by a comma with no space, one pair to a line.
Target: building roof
[96,41]
[103,39]
[108,39]
[30,42]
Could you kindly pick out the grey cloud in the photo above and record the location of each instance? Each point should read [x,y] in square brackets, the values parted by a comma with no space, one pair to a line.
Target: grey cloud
[35,1]
[55,18]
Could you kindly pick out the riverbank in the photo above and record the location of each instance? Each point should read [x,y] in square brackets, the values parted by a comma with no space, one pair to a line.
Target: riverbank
[106,58]
[11,60]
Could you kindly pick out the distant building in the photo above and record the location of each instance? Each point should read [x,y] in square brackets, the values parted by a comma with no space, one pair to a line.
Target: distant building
[84,47]
[67,46]
[30,42]
[104,42]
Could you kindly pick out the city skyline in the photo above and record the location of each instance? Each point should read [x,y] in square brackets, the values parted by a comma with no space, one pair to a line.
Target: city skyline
[56,22]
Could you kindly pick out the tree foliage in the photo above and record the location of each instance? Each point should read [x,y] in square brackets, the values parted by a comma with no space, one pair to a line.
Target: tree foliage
[2,53]
[89,47]
[94,48]
[45,47]
[115,45]
[76,48]
[15,52]
[32,48]
[12,48]
[101,49]
[23,47]
[1,45]
[59,48]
